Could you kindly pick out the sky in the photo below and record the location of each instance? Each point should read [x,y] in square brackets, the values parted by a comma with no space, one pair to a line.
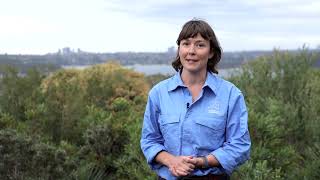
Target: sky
[44,26]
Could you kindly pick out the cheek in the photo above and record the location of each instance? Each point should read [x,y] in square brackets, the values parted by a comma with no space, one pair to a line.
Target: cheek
[181,53]
[205,55]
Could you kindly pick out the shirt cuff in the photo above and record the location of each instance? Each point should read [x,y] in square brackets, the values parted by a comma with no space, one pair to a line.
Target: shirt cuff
[152,154]
[227,163]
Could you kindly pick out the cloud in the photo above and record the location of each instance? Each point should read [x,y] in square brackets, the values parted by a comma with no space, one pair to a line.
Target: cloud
[25,25]
[148,25]
[213,9]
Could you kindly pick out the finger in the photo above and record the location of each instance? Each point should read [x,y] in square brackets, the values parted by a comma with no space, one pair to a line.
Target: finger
[173,172]
[192,161]
[181,172]
[187,158]
[191,166]
[184,159]
[187,168]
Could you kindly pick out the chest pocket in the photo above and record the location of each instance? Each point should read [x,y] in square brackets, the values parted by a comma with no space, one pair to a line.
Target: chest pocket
[168,122]
[212,127]
[169,127]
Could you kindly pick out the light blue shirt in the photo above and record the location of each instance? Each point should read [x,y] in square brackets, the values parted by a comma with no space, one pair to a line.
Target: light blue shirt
[215,123]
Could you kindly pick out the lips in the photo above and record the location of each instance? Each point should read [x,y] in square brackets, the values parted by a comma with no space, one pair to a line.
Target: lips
[192,60]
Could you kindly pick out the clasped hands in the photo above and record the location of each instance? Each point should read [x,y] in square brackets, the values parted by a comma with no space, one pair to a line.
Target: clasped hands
[183,165]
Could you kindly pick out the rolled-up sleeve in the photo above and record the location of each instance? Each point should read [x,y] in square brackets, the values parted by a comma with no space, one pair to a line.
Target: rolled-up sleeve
[236,149]
[151,138]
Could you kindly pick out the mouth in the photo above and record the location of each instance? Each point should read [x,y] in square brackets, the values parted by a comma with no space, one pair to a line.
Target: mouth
[191,60]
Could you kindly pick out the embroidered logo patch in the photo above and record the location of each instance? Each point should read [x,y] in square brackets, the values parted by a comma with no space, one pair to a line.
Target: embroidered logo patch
[214,108]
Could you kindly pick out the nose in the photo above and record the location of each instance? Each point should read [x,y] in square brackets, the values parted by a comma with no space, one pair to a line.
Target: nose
[191,49]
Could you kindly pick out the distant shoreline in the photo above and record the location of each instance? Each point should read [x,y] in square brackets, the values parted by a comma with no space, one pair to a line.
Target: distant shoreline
[152,69]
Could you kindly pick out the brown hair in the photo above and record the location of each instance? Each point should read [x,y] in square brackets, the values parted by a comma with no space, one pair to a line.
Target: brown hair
[189,30]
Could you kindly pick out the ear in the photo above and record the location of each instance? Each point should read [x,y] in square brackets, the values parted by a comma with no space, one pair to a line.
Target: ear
[211,54]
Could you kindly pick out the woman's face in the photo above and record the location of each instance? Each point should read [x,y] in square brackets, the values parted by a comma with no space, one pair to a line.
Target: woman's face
[194,54]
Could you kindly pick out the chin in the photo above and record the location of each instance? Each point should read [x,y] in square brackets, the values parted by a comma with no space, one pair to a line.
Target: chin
[193,70]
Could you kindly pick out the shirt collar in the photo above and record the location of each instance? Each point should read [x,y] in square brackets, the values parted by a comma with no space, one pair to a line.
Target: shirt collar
[212,82]
[175,82]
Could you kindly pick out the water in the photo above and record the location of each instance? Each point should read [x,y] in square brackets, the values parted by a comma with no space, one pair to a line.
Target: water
[168,69]
[152,69]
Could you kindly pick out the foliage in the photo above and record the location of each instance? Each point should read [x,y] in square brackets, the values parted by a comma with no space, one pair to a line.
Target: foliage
[22,157]
[86,114]
[154,79]
[17,91]
[281,93]
[86,124]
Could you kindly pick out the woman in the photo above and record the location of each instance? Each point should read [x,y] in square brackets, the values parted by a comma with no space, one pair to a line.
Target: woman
[195,123]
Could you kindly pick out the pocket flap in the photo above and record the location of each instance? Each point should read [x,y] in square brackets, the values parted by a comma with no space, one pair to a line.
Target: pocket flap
[168,118]
[211,122]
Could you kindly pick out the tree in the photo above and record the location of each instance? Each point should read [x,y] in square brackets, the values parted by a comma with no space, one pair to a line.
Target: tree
[23,157]
[18,91]
[281,92]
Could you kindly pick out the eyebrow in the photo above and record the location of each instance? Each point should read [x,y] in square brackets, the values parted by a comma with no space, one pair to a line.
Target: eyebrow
[197,41]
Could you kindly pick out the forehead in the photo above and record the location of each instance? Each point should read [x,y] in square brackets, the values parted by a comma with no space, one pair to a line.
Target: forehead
[197,37]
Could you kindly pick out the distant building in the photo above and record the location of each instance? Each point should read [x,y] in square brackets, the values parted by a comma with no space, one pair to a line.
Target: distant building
[79,51]
[171,50]
[66,50]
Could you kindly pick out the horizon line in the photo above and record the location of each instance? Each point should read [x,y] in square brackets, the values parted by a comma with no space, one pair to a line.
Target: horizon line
[73,51]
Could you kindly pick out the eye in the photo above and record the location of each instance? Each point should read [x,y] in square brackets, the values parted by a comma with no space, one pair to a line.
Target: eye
[185,43]
[201,45]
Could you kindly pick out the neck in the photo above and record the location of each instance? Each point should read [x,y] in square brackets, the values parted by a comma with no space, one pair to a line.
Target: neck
[190,79]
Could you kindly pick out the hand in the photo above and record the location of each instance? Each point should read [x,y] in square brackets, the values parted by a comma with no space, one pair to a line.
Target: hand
[181,165]
[199,162]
